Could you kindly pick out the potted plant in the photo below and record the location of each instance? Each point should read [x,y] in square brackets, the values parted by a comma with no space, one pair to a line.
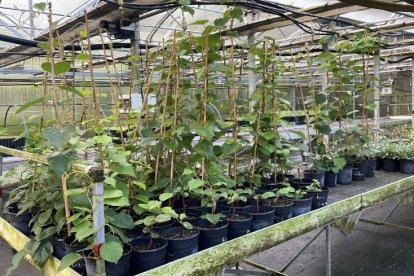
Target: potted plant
[301,202]
[280,203]
[262,215]
[319,194]
[406,156]
[389,154]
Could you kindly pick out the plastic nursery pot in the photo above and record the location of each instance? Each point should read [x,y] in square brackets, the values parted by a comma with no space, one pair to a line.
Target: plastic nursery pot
[192,214]
[146,257]
[20,222]
[262,216]
[378,164]
[345,175]
[239,224]
[111,269]
[319,199]
[371,167]
[301,205]
[300,182]
[59,249]
[188,202]
[161,228]
[407,166]
[390,165]
[236,206]
[73,246]
[331,179]
[359,171]
[181,242]
[134,234]
[312,174]
[283,208]
[211,235]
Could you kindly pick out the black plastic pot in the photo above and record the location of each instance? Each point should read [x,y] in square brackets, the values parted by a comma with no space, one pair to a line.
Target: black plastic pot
[211,235]
[371,167]
[59,249]
[407,166]
[272,186]
[300,183]
[179,247]
[75,247]
[390,165]
[144,259]
[262,216]
[345,175]
[359,170]
[111,269]
[239,224]
[283,209]
[378,164]
[319,199]
[331,179]
[236,206]
[301,205]
[193,215]
[20,222]
[134,234]
[312,174]
[161,228]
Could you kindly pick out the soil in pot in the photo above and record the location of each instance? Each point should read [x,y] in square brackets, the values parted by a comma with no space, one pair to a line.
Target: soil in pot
[20,222]
[300,182]
[319,199]
[301,205]
[283,208]
[390,165]
[312,174]
[236,206]
[239,224]
[378,164]
[210,234]
[134,234]
[331,179]
[371,167]
[345,175]
[359,171]
[161,228]
[73,246]
[407,166]
[119,269]
[146,256]
[181,242]
[262,216]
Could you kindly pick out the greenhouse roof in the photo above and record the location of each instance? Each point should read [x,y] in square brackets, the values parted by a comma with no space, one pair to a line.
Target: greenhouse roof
[20,19]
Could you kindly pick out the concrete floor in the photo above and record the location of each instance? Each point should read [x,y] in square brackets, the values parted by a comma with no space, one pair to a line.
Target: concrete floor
[369,251]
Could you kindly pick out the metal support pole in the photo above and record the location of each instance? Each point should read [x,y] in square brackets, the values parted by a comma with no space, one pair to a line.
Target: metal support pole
[301,251]
[98,216]
[325,47]
[251,61]
[328,251]
[1,164]
[395,208]
[135,42]
[32,27]
[262,267]
[376,222]
[377,96]
[412,94]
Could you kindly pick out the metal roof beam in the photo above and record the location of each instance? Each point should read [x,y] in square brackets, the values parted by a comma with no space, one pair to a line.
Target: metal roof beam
[10,28]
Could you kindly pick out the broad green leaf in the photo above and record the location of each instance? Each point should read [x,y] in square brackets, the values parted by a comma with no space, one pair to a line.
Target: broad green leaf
[61,161]
[82,56]
[195,184]
[162,218]
[103,139]
[41,6]
[111,251]
[76,191]
[62,67]
[165,196]
[72,90]
[112,193]
[29,104]
[43,253]
[204,132]
[118,201]
[68,260]
[59,137]
[126,169]
[44,216]
[110,181]
[123,221]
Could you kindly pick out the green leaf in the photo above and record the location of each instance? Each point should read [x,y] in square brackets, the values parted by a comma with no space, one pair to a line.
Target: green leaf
[103,139]
[44,216]
[213,218]
[118,202]
[165,196]
[61,161]
[72,90]
[123,221]
[59,137]
[110,181]
[29,104]
[371,106]
[41,6]
[112,193]
[126,169]
[68,260]
[76,191]
[62,67]
[162,218]
[195,184]
[204,132]
[111,251]
[16,260]
[43,253]
[82,56]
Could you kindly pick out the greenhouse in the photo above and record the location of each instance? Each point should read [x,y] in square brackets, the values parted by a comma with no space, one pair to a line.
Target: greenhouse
[180,137]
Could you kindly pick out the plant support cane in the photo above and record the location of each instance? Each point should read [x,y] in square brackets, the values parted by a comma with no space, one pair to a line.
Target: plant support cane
[98,217]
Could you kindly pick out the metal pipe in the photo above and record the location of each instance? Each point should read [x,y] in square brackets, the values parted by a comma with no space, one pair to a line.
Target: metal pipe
[32,26]
[301,251]
[377,99]
[395,208]
[262,267]
[328,251]
[376,222]
[412,93]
